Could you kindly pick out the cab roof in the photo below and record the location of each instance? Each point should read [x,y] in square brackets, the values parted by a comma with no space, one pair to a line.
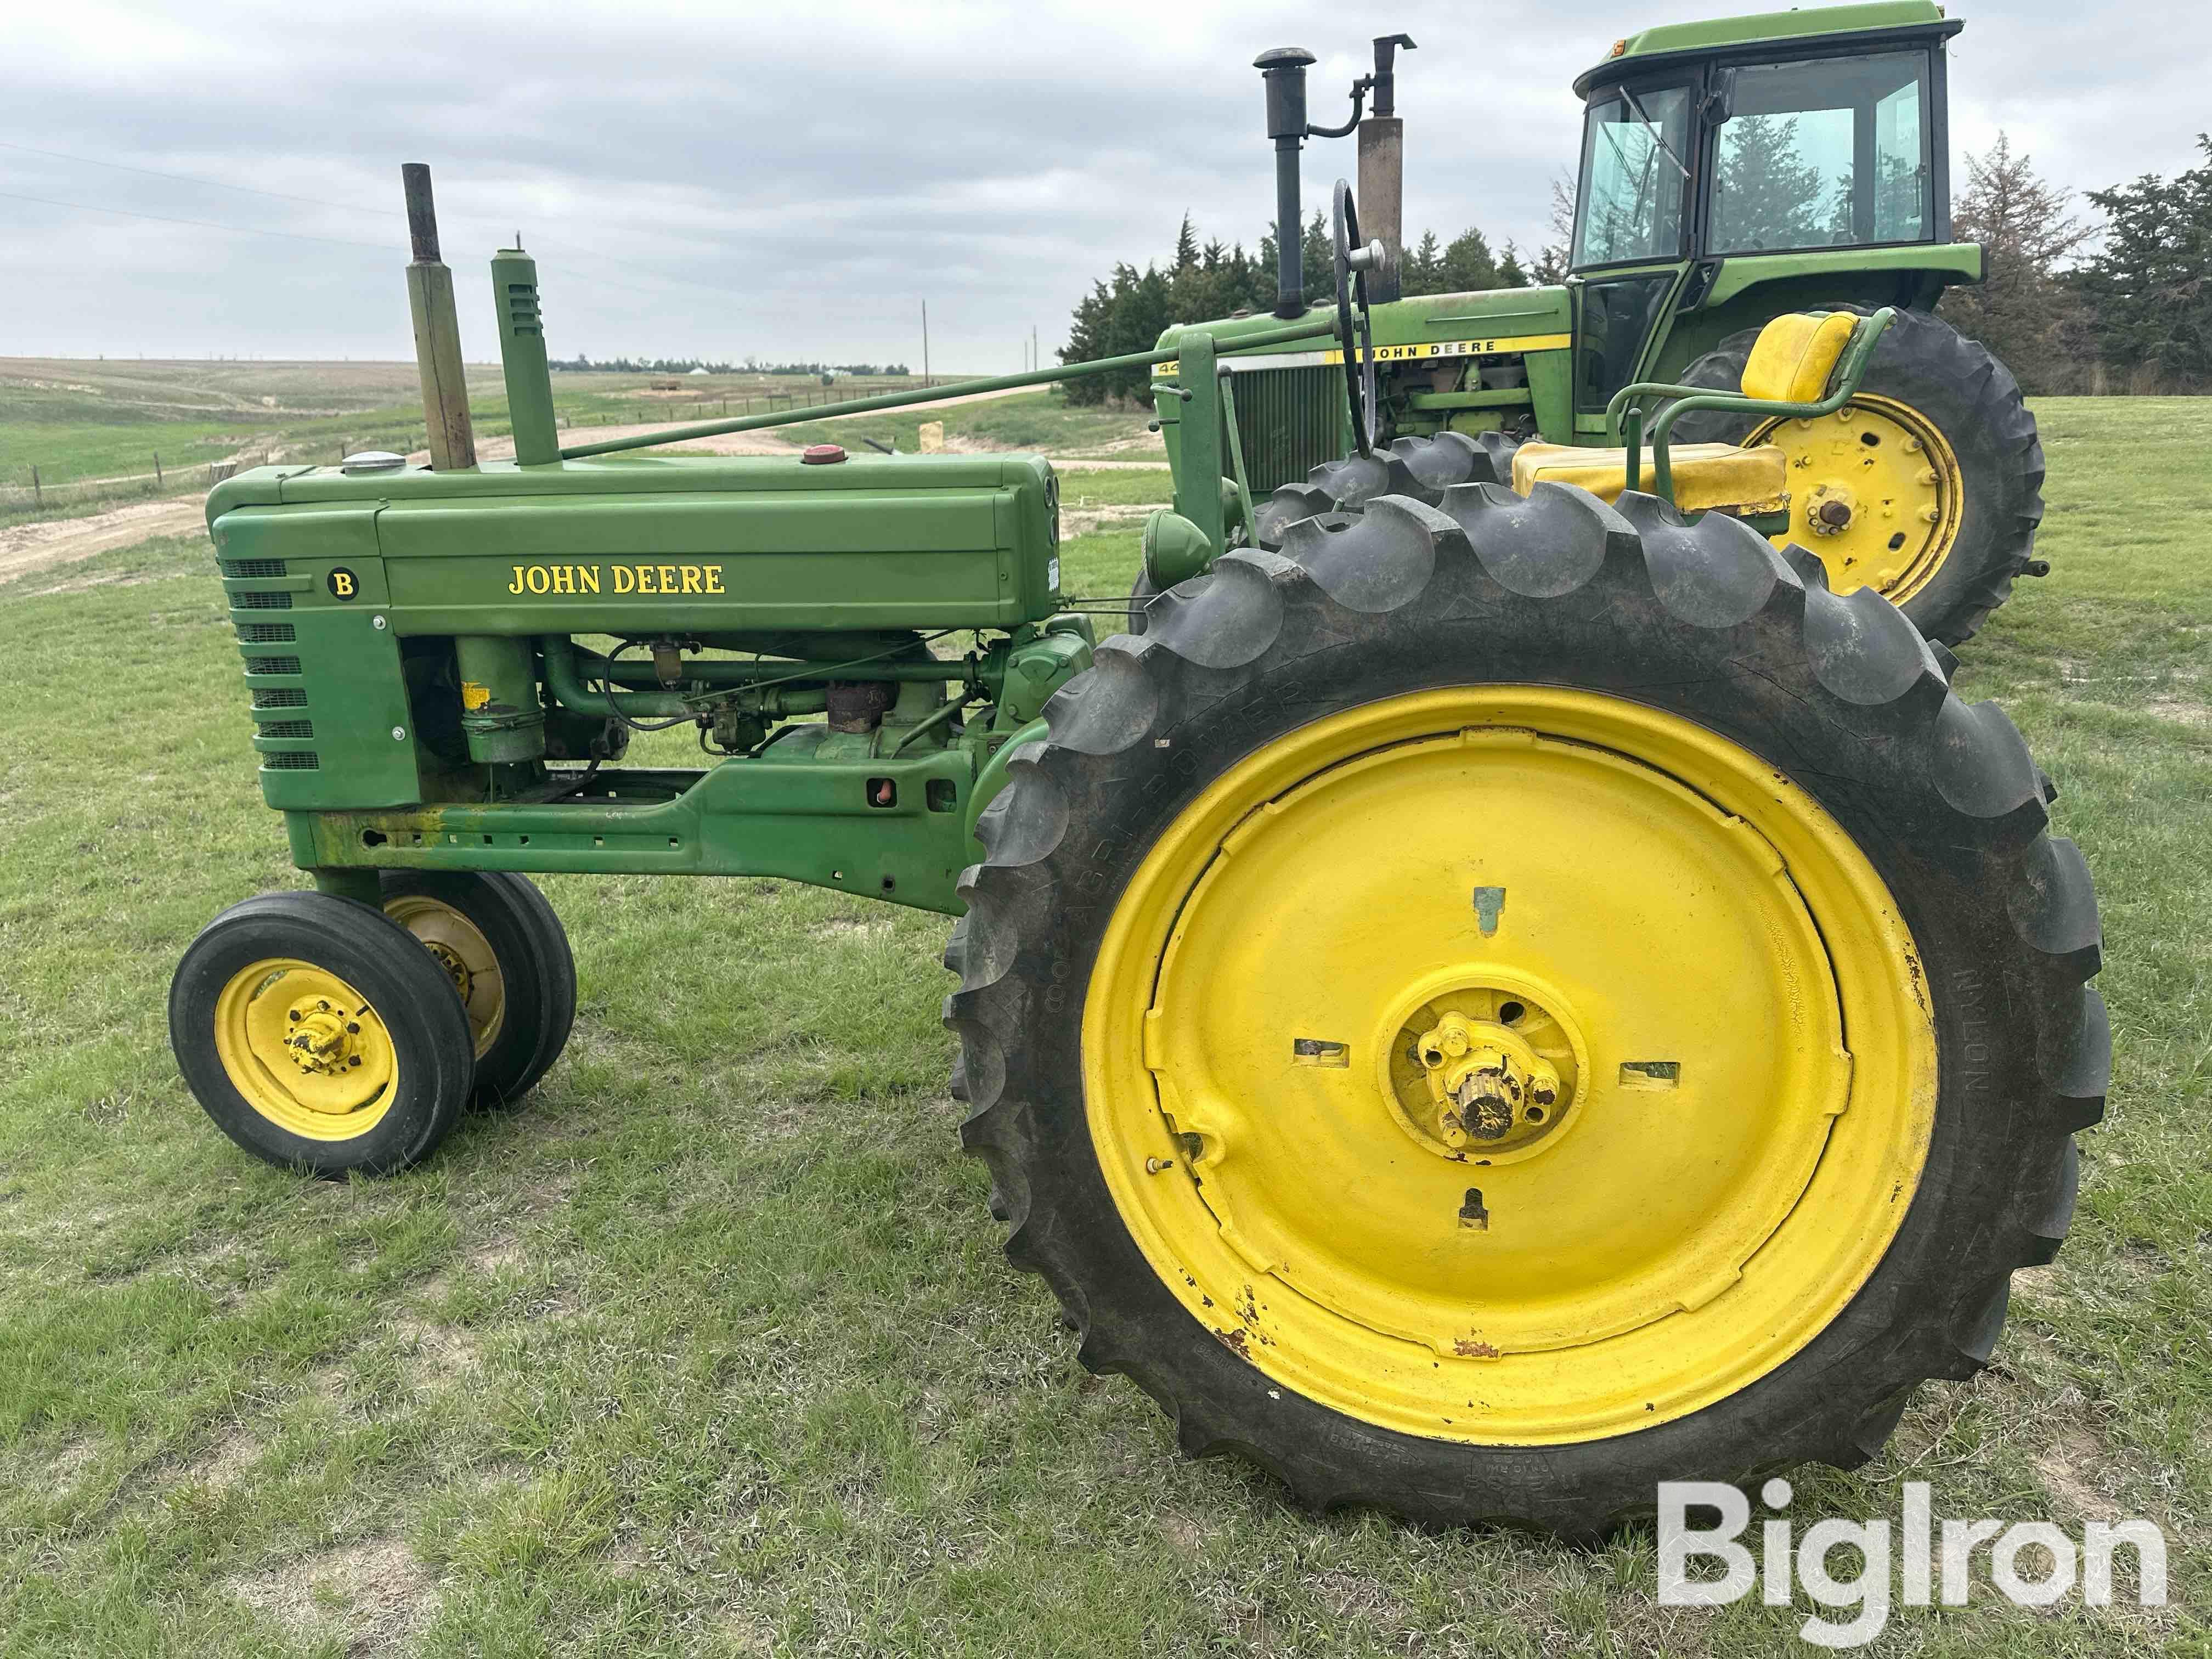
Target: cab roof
[1723,34]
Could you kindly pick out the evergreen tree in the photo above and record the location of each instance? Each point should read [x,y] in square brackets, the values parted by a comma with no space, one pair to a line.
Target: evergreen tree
[1185,252]
[1510,273]
[1467,266]
[2150,286]
[1766,194]
[2024,310]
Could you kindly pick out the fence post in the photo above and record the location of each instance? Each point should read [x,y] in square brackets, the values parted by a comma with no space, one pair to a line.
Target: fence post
[160,482]
[38,494]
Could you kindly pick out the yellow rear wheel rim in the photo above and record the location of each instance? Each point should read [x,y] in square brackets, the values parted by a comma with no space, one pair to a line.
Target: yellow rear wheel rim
[461,948]
[1896,480]
[1618,905]
[305,1049]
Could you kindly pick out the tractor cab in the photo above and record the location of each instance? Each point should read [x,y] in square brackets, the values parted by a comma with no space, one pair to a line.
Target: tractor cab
[1718,156]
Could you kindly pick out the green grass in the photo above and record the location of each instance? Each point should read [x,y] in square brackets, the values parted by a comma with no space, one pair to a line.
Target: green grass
[708,1348]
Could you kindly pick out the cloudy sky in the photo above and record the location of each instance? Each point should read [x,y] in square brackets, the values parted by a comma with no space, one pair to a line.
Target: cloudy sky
[795,181]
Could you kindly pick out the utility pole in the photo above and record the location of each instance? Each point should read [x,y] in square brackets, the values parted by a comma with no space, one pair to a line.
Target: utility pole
[925,343]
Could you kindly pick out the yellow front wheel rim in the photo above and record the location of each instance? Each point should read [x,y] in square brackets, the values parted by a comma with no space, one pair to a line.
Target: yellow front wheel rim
[461,948]
[1339,984]
[1875,490]
[305,1049]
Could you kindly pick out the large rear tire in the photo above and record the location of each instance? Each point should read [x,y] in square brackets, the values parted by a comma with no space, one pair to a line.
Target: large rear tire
[1373,967]
[1935,466]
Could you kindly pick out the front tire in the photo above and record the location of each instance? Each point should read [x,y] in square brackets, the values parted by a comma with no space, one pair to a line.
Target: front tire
[1547,769]
[320,1035]
[1936,461]
[500,942]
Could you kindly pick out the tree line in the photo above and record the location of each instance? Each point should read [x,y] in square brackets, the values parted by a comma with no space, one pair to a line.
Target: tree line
[1126,310]
[2118,302]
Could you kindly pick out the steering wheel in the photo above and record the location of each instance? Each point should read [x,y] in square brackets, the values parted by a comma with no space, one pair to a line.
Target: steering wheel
[1354,260]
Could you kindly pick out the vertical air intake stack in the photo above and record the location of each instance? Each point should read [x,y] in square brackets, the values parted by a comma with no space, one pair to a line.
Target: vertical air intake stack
[1382,168]
[522,356]
[437,332]
[1284,69]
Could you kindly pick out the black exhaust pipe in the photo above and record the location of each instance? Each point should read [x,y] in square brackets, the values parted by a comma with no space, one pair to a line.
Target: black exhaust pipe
[1284,71]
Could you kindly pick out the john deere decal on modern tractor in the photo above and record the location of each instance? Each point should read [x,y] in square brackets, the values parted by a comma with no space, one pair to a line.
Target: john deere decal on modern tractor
[1501,999]
[1732,171]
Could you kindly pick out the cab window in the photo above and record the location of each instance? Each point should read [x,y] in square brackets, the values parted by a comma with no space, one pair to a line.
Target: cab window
[1636,150]
[1828,152]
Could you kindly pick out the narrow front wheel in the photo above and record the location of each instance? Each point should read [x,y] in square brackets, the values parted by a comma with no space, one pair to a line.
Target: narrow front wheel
[320,1035]
[502,946]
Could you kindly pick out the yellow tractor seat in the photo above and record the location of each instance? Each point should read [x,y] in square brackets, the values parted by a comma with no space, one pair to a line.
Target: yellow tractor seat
[1705,475]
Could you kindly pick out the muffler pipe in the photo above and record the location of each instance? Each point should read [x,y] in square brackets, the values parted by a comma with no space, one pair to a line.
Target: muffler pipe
[1382,168]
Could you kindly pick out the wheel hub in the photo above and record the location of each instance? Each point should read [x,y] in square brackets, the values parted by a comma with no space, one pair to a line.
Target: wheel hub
[1829,511]
[1481,1072]
[324,1041]
[450,959]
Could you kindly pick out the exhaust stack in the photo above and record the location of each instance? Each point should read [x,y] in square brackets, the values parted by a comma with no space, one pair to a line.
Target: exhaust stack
[1284,69]
[437,332]
[522,356]
[1382,168]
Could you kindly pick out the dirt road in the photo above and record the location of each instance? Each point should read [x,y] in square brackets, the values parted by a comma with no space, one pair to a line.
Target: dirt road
[28,547]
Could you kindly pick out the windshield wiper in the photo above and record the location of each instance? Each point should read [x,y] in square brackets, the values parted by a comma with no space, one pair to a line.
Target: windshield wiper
[1657,137]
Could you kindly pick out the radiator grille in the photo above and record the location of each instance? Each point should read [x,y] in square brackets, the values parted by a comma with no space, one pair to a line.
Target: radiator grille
[287,728]
[1290,421]
[266,632]
[279,696]
[272,665]
[256,599]
[291,760]
[253,567]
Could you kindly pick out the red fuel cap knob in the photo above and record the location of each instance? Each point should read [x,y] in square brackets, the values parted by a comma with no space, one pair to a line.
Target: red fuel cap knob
[821,454]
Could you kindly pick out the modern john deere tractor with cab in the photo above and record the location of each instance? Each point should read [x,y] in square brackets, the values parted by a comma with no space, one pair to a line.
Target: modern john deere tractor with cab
[1732,171]
[1498,1000]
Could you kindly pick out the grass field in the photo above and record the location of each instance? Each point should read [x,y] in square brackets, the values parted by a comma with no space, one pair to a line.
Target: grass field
[709,1348]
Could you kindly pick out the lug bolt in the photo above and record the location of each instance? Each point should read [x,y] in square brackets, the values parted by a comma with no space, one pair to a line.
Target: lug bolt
[399,734]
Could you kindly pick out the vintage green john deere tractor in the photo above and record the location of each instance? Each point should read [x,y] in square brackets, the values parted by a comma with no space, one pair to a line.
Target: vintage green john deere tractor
[1495,1002]
[1732,171]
